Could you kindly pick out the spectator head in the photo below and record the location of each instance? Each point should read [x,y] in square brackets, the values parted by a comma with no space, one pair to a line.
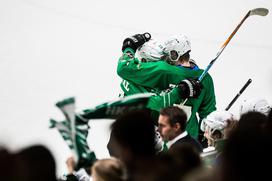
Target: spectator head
[172,122]
[36,163]
[132,134]
[247,151]
[110,169]
[8,171]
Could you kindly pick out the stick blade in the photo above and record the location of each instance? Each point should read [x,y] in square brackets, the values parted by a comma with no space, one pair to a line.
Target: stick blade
[259,11]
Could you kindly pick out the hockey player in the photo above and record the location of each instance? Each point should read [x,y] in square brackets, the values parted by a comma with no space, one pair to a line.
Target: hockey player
[167,64]
[217,127]
[214,126]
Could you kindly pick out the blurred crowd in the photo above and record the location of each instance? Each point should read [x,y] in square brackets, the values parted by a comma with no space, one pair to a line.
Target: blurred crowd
[238,148]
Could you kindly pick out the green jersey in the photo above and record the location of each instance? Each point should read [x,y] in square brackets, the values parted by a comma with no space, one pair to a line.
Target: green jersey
[158,77]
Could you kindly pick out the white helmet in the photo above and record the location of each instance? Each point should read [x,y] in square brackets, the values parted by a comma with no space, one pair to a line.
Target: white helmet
[150,51]
[177,46]
[255,105]
[216,120]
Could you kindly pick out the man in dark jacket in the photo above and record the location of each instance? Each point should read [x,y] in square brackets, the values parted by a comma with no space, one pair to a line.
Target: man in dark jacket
[171,126]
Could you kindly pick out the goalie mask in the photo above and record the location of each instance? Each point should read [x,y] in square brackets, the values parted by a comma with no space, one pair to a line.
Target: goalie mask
[150,51]
[255,105]
[176,46]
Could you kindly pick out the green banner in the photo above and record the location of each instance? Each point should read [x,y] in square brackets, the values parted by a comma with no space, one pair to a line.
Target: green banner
[74,130]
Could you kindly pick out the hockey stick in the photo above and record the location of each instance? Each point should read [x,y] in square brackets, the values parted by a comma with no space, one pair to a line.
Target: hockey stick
[256,11]
[239,93]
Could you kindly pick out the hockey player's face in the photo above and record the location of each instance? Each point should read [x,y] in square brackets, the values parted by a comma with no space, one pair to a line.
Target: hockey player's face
[166,131]
[207,134]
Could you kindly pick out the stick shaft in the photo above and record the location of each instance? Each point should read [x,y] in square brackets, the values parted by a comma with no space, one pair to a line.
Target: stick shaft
[238,94]
[221,50]
[224,46]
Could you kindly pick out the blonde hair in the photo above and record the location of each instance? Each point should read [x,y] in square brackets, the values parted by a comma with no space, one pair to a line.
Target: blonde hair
[110,169]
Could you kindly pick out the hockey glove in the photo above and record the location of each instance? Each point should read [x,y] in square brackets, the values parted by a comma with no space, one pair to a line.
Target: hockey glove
[190,88]
[135,41]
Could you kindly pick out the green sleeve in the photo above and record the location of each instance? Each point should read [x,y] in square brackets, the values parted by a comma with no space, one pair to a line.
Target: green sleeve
[129,88]
[148,74]
[164,99]
[208,103]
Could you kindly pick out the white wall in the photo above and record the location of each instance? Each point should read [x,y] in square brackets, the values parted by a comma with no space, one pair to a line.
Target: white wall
[53,49]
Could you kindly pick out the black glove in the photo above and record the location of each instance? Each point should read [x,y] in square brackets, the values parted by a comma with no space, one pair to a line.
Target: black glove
[136,41]
[190,88]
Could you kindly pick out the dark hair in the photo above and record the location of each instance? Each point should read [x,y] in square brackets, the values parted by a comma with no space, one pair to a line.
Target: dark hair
[252,121]
[175,115]
[8,170]
[249,141]
[185,56]
[135,130]
[37,163]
